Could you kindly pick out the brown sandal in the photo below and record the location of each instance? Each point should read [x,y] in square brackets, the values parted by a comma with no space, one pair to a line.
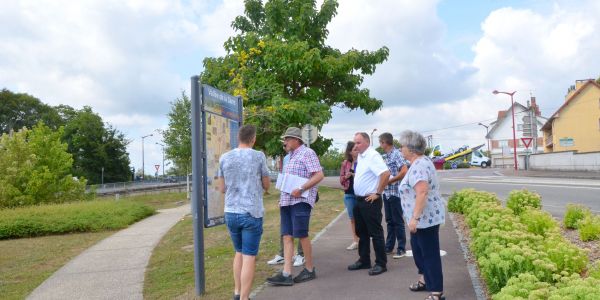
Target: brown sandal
[417,286]
[436,296]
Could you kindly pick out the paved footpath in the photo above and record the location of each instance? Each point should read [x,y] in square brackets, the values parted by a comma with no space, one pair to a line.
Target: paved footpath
[334,281]
[114,268]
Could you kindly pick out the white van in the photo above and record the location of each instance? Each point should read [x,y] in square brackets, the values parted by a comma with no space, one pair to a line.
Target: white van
[479,159]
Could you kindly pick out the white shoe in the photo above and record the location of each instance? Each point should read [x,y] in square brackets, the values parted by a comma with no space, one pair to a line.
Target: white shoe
[277,260]
[352,246]
[298,260]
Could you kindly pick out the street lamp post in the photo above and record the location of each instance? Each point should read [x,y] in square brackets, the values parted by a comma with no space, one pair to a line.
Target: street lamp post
[375,129]
[486,137]
[163,157]
[512,108]
[143,137]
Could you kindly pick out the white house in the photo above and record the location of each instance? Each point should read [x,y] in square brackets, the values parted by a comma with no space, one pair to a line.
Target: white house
[501,134]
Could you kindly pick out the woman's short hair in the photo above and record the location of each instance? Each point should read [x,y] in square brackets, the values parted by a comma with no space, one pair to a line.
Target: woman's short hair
[414,141]
[348,152]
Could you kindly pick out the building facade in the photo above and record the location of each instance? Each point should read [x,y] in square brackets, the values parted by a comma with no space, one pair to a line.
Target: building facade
[575,126]
[528,123]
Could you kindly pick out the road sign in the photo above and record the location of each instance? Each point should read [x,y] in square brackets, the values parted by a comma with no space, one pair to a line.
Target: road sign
[309,134]
[526,142]
[157,167]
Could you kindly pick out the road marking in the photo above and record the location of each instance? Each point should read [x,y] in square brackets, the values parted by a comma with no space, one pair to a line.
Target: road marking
[551,185]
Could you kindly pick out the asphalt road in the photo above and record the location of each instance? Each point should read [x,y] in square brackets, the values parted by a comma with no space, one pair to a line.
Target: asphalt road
[556,192]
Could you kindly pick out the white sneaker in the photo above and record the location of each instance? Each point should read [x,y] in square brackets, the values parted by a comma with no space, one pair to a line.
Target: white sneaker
[277,260]
[298,260]
[352,246]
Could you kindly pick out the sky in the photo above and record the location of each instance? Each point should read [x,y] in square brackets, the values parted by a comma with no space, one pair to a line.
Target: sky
[129,59]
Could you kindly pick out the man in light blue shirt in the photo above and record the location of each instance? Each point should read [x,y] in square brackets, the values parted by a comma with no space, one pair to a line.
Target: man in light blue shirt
[243,178]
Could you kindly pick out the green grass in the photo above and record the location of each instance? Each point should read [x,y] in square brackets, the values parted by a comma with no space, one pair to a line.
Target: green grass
[157,201]
[170,273]
[89,216]
[26,263]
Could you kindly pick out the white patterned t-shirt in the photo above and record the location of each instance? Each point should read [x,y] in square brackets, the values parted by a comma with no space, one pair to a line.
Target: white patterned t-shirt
[434,212]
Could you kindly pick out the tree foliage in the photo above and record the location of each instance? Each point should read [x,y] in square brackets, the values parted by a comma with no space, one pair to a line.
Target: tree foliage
[332,159]
[94,146]
[178,137]
[286,74]
[36,168]
[22,110]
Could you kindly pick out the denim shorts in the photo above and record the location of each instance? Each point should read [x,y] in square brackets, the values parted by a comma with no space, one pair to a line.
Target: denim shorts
[350,202]
[245,231]
[295,219]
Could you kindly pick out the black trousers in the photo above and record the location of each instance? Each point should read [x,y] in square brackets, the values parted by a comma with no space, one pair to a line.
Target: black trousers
[367,217]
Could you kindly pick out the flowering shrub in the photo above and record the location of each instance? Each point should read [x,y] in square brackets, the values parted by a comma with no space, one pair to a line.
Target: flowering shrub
[574,214]
[539,222]
[518,201]
[520,250]
[589,228]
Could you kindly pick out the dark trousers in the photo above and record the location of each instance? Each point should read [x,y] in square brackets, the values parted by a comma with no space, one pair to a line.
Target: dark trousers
[367,217]
[395,223]
[425,245]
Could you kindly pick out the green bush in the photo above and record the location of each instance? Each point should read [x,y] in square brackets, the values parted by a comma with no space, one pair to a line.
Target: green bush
[575,287]
[594,270]
[567,257]
[539,222]
[512,260]
[88,216]
[459,165]
[524,286]
[518,201]
[589,228]
[574,214]
[461,201]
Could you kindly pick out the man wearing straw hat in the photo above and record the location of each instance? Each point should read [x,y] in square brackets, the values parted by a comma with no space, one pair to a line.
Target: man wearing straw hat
[296,204]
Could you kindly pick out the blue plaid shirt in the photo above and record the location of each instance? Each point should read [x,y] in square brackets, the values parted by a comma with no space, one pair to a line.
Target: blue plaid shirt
[394,161]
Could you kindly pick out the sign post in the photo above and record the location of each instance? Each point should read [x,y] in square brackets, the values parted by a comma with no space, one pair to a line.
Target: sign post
[526,142]
[216,119]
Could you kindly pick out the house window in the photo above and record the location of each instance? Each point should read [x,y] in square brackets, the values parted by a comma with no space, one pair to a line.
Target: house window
[503,143]
[566,142]
[519,127]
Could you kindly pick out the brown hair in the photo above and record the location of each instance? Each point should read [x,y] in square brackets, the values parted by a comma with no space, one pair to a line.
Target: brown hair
[246,134]
[348,153]
[387,138]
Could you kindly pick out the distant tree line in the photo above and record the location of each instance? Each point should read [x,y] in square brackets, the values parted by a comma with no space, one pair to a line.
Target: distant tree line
[92,143]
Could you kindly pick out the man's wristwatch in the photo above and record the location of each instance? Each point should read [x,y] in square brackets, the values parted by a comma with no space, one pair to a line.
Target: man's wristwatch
[301,189]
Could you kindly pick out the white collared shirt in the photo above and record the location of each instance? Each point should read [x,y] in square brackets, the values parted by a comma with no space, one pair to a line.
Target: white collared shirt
[369,166]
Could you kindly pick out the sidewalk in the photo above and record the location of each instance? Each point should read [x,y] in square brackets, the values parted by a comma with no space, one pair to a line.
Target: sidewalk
[114,268]
[550,174]
[334,281]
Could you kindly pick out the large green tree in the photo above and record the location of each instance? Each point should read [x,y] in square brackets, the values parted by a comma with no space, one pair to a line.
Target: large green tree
[279,63]
[178,137]
[18,110]
[35,168]
[94,146]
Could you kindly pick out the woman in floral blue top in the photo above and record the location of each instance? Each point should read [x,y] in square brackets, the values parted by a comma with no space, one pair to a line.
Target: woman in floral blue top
[424,211]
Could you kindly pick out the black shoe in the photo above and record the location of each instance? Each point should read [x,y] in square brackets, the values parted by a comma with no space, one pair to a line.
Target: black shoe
[376,270]
[236,297]
[305,275]
[358,266]
[279,279]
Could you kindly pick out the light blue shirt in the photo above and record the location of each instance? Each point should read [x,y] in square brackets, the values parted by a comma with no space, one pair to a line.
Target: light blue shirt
[434,212]
[242,170]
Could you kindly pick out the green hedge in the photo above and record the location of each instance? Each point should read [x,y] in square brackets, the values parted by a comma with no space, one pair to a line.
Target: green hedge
[574,214]
[521,240]
[70,217]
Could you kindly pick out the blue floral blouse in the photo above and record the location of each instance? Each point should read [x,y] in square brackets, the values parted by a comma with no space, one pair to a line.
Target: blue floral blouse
[434,212]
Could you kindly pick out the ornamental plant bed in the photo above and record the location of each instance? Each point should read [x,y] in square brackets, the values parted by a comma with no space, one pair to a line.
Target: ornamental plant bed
[522,252]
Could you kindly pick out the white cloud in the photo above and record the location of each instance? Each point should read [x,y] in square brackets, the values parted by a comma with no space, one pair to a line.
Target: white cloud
[535,53]
[115,56]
